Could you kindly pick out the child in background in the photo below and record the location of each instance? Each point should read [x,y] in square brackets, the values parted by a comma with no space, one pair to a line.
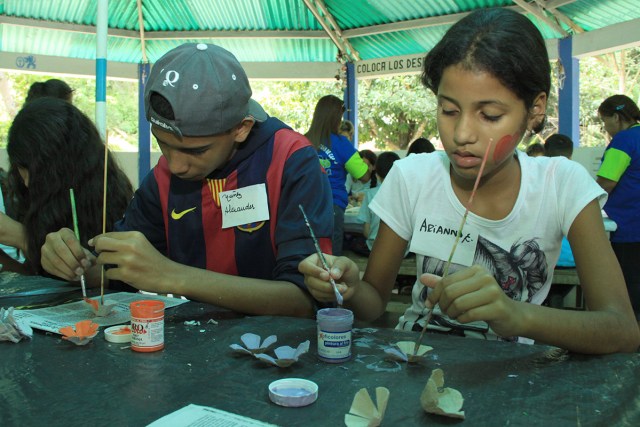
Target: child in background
[372,221]
[347,129]
[491,76]
[561,145]
[356,188]
[535,150]
[421,145]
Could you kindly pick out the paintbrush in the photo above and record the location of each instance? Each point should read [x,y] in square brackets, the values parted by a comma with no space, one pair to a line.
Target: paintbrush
[337,293]
[104,209]
[77,232]
[455,243]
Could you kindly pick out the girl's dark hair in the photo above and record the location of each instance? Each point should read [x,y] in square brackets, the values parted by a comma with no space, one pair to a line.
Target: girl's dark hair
[421,145]
[326,120]
[372,158]
[622,105]
[54,88]
[61,149]
[501,42]
[384,163]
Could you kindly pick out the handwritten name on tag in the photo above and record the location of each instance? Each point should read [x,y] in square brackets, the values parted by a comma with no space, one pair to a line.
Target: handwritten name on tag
[435,238]
[244,205]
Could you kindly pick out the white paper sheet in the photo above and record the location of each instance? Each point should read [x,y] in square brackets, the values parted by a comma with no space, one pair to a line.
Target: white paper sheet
[51,319]
[201,416]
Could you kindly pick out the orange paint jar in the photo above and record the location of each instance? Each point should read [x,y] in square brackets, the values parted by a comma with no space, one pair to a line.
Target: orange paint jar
[147,325]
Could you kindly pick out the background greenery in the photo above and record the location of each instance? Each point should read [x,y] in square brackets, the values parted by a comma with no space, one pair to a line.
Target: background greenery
[393,111]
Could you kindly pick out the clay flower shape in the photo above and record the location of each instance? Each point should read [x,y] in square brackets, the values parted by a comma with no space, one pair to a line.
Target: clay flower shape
[437,399]
[363,412]
[285,355]
[11,329]
[405,350]
[84,332]
[98,309]
[252,343]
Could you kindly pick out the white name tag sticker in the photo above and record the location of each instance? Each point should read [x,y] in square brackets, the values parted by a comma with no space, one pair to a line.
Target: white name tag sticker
[244,206]
[435,238]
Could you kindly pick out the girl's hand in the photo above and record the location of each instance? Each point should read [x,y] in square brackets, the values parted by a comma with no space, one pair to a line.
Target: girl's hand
[473,294]
[343,271]
[63,256]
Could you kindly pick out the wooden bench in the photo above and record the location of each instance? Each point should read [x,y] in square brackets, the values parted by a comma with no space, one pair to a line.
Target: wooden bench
[407,268]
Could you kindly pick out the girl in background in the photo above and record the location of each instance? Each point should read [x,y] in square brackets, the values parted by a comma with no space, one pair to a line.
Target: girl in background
[338,157]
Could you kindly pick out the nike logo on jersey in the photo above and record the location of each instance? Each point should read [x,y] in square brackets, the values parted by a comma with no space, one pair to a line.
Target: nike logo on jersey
[177,215]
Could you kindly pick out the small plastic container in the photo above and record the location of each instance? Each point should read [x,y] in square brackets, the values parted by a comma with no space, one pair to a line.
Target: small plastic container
[293,392]
[118,334]
[147,325]
[334,334]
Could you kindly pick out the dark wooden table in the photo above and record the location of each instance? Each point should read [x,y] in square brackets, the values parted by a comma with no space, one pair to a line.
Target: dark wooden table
[48,381]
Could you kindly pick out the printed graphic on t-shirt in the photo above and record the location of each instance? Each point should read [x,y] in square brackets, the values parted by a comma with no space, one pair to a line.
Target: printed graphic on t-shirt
[327,158]
[521,272]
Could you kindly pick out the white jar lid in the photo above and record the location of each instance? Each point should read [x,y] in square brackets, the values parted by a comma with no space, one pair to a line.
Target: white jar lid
[118,334]
[293,392]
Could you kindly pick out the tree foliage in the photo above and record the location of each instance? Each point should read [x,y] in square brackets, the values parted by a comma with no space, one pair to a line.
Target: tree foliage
[393,111]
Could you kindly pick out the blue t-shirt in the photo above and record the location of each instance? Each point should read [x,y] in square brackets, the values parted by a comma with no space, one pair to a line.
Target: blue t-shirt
[338,160]
[621,163]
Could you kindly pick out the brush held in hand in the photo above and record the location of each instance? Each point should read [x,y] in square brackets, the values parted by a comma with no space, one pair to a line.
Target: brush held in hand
[76,230]
[337,293]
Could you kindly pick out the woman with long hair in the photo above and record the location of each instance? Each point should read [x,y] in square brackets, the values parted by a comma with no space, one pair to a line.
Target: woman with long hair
[338,157]
[54,147]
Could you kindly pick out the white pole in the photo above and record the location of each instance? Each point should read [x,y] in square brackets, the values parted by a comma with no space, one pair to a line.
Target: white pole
[101,67]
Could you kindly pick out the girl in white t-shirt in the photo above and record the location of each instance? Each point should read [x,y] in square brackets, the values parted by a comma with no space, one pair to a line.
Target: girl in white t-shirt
[491,76]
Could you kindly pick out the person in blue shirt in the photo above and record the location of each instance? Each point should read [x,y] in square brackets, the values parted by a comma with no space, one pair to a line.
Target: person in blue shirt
[338,157]
[619,175]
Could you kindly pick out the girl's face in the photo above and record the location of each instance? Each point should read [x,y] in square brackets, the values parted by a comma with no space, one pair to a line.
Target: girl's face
[474,108]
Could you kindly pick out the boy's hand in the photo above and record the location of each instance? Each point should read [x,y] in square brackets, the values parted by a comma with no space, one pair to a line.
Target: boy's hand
[343,271]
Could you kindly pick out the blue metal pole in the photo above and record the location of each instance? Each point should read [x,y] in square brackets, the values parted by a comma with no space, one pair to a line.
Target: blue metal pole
[144,127]
[569,93]
[351,100]
[101,67]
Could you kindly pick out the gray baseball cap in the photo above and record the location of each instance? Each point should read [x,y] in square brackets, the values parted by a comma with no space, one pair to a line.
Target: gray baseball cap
[207,88]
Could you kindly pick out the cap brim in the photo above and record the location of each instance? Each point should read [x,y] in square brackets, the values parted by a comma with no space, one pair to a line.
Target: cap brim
[256,111]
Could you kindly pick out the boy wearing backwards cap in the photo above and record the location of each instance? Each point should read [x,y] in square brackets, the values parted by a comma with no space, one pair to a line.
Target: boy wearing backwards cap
[217,219]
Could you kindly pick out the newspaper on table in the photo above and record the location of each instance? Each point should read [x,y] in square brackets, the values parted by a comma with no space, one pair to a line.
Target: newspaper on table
[51,319]
[198,416]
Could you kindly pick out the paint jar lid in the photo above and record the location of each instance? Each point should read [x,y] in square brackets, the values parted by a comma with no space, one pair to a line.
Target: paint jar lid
[293,392]
[118,334]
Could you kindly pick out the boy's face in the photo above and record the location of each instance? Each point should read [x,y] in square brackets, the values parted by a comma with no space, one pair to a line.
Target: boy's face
[193,158]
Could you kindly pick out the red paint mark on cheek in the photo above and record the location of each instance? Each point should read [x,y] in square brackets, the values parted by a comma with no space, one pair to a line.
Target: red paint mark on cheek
[504,147]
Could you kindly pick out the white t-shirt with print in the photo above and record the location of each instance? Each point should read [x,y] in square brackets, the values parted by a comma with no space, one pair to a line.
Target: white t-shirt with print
[521,250]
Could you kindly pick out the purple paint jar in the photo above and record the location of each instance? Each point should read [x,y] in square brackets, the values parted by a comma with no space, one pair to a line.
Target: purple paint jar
[334,334]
